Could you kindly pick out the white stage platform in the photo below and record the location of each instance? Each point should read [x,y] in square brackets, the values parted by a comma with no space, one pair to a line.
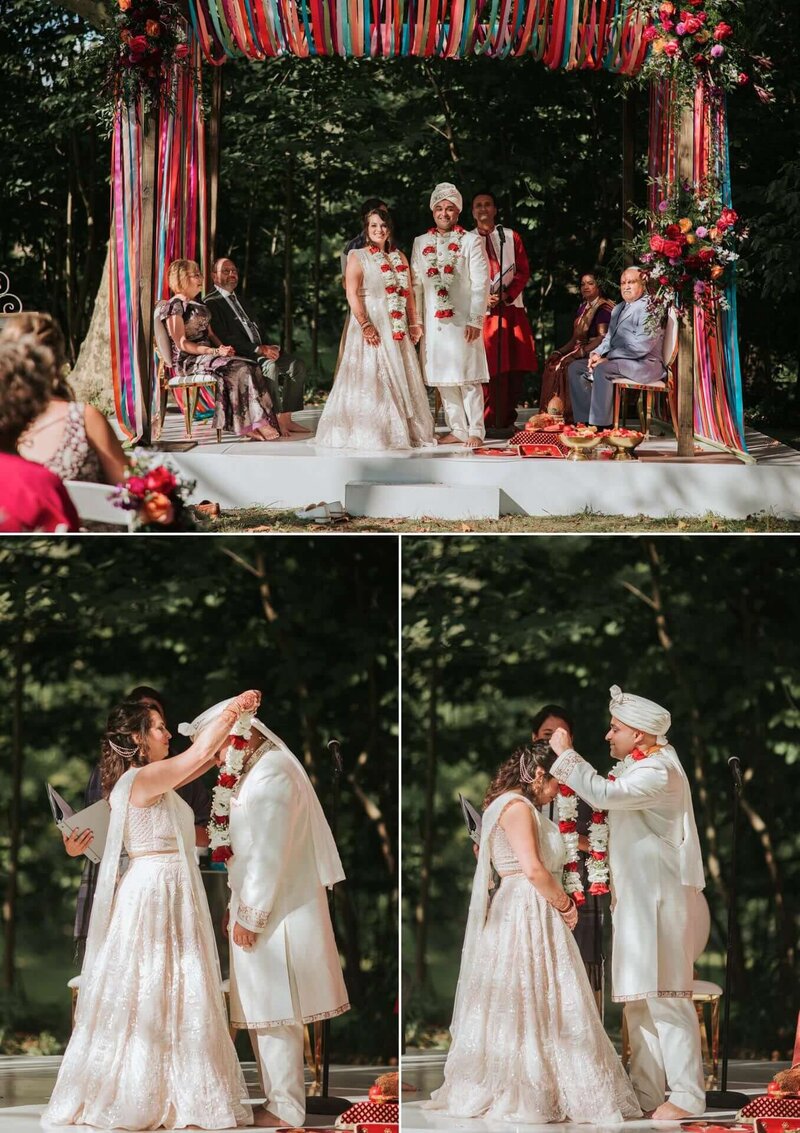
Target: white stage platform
[424,1070]
[451,482]
[27,1081]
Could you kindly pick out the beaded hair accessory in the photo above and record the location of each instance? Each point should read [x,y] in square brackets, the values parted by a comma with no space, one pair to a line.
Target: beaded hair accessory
[524,774]
[122,752]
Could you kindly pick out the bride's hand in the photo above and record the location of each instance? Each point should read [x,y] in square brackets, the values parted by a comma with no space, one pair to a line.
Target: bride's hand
[415,334]
[560,741]
[245,702]
[571,916]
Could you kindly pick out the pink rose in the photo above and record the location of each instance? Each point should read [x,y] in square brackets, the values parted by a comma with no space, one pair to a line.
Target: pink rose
[671,48]
[181,51]
[650,34]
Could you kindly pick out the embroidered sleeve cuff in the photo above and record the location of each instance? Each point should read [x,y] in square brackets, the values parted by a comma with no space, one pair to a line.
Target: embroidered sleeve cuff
[476,321]
[254,919]
[565,765]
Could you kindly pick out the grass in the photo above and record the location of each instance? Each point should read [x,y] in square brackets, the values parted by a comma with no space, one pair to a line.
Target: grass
[256,520]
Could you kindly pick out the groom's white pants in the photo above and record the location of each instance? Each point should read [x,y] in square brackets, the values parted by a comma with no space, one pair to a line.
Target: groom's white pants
[665,1053]
[280,1057]
[463,408]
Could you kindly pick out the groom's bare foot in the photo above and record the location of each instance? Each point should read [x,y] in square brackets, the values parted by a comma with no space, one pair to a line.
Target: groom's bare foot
[473,442]
[264,1119]
[449,439]
[669,1112]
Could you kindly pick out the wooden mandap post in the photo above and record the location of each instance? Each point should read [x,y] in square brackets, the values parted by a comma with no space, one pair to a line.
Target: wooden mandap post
[685,172]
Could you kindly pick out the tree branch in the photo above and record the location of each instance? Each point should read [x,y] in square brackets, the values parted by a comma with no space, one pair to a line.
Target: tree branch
[95,12]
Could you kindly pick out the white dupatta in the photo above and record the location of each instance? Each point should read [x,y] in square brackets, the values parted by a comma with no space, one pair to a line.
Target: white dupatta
[108,886]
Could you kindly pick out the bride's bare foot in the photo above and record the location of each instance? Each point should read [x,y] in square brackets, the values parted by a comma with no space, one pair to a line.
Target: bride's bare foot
[669,1112]
[473,442]
[264,1119]
[449,439]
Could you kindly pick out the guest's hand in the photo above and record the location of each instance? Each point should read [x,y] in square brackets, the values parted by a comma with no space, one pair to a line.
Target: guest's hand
[225,351]
[471,333]
[415,334]
[77,842]
[595,359]
[271,353]
[243,936]
[493,301]
[560,741]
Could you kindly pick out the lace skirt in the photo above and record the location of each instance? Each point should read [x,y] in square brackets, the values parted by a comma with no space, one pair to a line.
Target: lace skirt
[528,1044]
[151,1046]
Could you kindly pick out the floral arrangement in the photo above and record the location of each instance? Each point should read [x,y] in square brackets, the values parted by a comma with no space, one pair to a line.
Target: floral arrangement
[157,495]
[219,838]
[597,864]
[620,432]
[396,288]
[687,248]
[443,276]
[579,430]
[694,41]
[144,43]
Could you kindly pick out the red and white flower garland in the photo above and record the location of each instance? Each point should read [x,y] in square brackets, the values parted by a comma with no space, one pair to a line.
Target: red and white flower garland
[391,264]
[219,838]
[597,865]
[443,275]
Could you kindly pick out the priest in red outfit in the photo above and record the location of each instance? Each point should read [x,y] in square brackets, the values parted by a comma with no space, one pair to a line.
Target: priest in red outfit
[506,316]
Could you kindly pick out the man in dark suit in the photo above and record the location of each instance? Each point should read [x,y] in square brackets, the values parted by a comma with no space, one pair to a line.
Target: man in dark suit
[285,374]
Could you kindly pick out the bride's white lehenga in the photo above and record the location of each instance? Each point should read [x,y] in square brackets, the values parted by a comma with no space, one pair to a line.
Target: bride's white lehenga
[379,400]
[150,1046]
[528,1044]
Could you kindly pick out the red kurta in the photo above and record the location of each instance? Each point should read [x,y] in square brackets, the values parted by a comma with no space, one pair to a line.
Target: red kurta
[517,348]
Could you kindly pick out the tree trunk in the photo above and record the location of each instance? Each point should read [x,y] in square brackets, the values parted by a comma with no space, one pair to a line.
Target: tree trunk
[421,912]
[317,263]
[288,237]
[14,823]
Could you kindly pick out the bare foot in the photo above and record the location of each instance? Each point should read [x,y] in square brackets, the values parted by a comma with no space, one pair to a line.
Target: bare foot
[266,433]
[473,442]
[263,1118]
[669,1112]
[449,439]
[295,428]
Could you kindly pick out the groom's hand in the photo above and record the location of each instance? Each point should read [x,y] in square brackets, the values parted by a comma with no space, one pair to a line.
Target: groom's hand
[243,936]
[560,741]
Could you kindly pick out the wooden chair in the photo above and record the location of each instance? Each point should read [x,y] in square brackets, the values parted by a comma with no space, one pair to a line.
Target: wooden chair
[648,392]
[189,387]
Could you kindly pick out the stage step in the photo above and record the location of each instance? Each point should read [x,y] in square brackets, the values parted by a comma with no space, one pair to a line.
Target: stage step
[413,501]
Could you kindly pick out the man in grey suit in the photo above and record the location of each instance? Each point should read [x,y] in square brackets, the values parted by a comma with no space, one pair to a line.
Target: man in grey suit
[231,323]
[629,350]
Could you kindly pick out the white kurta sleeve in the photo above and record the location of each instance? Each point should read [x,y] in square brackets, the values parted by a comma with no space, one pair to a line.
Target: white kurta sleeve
[644,786]
[272,810]
[417,272]
[479,282]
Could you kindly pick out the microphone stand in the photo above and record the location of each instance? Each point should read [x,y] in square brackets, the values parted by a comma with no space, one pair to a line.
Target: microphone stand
[324,1102]
[501,390]
[725,1098]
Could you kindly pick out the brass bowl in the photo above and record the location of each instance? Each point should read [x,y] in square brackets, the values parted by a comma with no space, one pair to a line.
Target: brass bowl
[624,446]
[580,447]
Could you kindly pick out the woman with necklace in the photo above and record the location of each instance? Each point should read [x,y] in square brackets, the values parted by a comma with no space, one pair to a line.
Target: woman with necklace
[378,401]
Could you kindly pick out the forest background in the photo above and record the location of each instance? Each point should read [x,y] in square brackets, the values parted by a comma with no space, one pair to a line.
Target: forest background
[493,629]
[305,141]
[311,622]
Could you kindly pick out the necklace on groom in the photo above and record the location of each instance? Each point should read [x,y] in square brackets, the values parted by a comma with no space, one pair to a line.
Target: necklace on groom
[442,276]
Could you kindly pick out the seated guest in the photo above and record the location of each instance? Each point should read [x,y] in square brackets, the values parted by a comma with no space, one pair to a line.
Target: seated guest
[31,497]
[285,373]
[629,350]
[74,440]
[243,403]
[505,317]
[589,330]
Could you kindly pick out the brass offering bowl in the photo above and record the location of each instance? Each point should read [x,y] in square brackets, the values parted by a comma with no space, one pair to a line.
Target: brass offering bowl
[580,445]
[624,444]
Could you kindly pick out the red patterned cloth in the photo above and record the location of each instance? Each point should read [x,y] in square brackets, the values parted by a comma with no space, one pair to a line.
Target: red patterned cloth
[538,437]
[370,1113]
[784,1109]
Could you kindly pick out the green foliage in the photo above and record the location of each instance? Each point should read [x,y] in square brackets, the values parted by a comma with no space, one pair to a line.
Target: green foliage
[705,626]
[315,631]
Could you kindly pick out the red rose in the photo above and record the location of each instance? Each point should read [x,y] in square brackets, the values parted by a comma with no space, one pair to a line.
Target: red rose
[727,217]
[221,854]
[428,250]
[707,255]
[598,855]
[452,247]
[136,486]
[441,291]
[138,44]
[402,267]
[448,269]
[181,51]
[743,79]
[722,31]
[671,48]
[672,231]
[433,271]
[160,479]
[238,743]
[398,335]
[663,280]
[226,780]
[567,827]
[390,289]
[650,34]
[597,888]
[386,267]
[598,816]
[692,262]
[672,249]
[571,867]
[657,242]
[563,789]
[220,819]
[396,314]
[699,60]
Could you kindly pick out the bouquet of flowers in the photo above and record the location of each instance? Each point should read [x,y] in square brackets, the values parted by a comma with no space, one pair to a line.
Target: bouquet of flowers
[142,45]
[687,249]
[157,495]
[694,41]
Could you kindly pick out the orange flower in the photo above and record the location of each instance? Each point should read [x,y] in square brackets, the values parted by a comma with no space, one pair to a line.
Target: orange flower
[715,234]
[157,508]
[125,35]
[658,46]
[685,224]
[717,271]
[153,28]
[691,239]
[124,5]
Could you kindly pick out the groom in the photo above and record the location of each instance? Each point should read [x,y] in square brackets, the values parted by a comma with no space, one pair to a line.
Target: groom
[656,868]
[450,277]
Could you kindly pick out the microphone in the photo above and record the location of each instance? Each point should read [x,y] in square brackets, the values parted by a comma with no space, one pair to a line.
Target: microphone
[501,236]
[334,747]
[736,772]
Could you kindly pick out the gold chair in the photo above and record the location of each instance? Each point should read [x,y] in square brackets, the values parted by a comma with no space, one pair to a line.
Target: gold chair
[647,392]
[189,387]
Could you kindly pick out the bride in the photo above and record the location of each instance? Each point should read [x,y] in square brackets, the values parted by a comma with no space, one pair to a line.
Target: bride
[150,1046]
[378,400]
[528,1044]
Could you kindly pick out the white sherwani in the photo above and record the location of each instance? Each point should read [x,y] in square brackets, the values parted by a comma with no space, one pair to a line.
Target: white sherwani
[275,891]
[447,358]
[651,854]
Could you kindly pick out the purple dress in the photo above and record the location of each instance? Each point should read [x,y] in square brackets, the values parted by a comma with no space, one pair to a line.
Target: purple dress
[243,399]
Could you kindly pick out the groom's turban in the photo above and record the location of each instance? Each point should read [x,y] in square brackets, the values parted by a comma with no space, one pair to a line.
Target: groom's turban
[447,192]
[643,715]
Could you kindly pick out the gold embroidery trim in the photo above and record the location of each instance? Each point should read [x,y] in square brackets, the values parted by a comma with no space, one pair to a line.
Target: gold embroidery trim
[254,919]
[243,1026]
